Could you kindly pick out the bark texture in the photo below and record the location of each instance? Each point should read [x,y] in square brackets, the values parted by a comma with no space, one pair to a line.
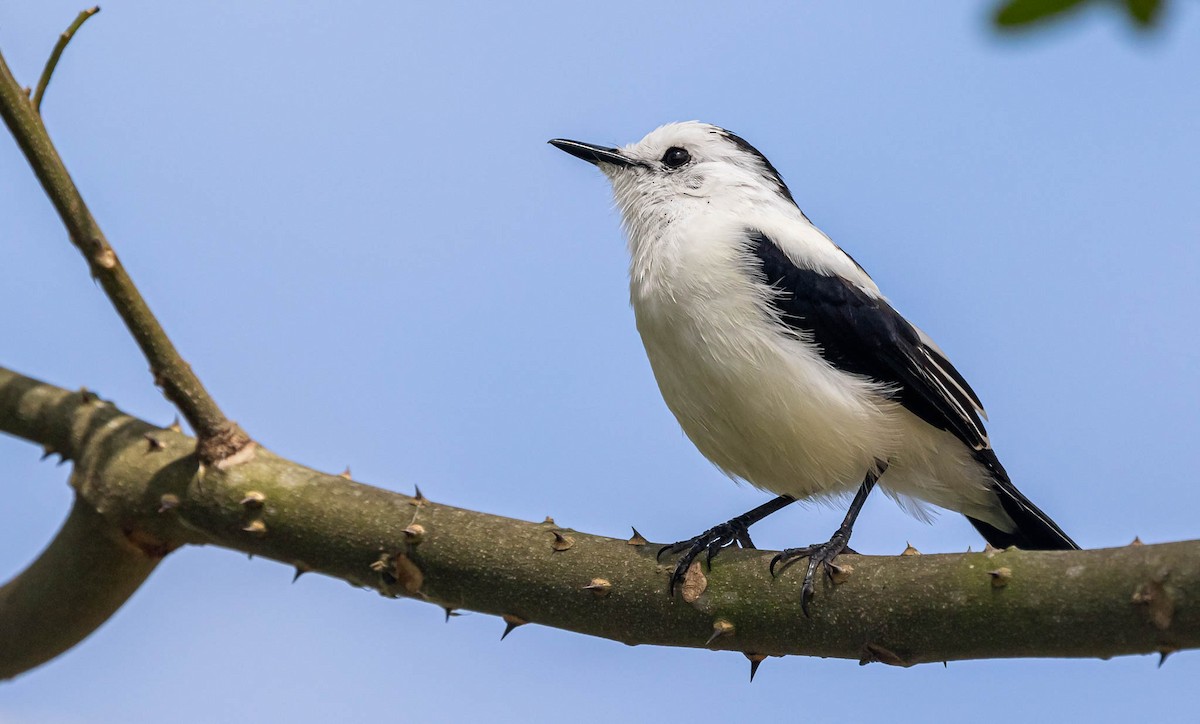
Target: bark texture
[148,484]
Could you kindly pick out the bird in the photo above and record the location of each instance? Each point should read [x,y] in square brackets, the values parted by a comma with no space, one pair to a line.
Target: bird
[784,363]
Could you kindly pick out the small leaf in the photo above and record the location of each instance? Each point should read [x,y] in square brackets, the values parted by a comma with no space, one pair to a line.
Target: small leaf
[1016,13]
[1144,12]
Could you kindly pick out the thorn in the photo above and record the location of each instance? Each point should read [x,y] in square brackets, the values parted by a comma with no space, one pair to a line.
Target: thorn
[511,622]
[255,527]
[168,501]
[720,628]
[1000,577]
[945,665]
[414,534]
[86,396]
[636,539]
[175,425]
[450,612]
[47,451]
[561,542]
[755,660]
[1159,603]
[909,550]
[968,549]
[600,587]
[253,499]
[155,443]
[839,574]
[989,548]
[345,473]
[300,571]
[1137,541]
[549,521]
[872,653]
[1163,654]
[418,496]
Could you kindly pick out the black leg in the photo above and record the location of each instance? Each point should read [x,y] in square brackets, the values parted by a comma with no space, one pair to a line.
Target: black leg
[732,532]
[823,554]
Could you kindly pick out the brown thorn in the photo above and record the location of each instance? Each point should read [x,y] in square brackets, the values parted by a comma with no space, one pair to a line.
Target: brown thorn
[839,574]
[345,473]
[600,587]
[47,451]
[255,527]
[1163,653]
[414,534]
[549,521]
[253,499]
[561,542]
[909,550]
[175,425]
[755,660]
[154,443]
[511,622]
[720,628]
[167,502]
[872,653]
[300,571]
[1158,601]
[636,539]
[418,496]
[86,396]
[1137,541]
[1001,576]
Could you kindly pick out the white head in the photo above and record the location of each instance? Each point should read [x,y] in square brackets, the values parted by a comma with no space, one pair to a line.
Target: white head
[684,168]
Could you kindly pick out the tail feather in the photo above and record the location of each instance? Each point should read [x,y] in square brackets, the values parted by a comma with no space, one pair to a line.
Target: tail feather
[1034,529]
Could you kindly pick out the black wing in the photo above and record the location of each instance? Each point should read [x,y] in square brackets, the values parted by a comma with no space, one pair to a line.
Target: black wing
[862,334]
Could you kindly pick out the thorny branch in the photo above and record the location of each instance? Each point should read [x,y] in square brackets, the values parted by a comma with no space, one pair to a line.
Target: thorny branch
[219,438]
[901,610]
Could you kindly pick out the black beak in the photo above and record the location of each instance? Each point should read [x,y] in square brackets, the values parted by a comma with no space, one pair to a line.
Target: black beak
[590,153]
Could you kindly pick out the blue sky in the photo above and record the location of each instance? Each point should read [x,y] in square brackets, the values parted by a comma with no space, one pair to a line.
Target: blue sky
[347,217]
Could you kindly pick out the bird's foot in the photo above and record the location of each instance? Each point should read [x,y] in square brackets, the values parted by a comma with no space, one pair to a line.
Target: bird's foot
[730,533]
[819,554]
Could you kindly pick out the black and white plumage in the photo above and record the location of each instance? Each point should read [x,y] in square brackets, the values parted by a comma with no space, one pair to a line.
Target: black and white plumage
[779,356]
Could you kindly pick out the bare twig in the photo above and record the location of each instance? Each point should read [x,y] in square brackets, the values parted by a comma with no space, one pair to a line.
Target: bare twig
[55,54]
[899,610]
[219,438]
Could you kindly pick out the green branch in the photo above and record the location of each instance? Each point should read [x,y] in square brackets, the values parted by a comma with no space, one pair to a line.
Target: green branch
[219,438]
[899,610]
[55,54]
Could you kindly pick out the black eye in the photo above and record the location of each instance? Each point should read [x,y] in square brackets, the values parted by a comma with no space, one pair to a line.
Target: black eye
[675,157]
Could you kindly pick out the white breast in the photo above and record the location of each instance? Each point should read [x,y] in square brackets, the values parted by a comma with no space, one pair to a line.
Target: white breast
[761,406]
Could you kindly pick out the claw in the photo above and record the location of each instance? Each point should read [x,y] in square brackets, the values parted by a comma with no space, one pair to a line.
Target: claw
[710,542]
[729,533]
[664,549]
[819,555]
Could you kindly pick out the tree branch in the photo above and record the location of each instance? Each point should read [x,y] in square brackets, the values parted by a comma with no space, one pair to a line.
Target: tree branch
[219,437]
[77,583]
[900,610]
[55,54]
